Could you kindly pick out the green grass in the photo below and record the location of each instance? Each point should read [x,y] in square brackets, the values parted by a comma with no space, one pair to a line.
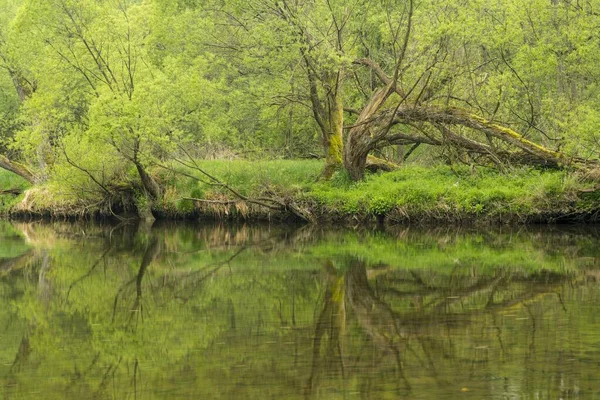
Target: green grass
[8,180]
[442,192]
[413,192]
[250,178]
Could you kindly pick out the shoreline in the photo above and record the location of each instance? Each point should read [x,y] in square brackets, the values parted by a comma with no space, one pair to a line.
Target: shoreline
[290,191]
[322,217]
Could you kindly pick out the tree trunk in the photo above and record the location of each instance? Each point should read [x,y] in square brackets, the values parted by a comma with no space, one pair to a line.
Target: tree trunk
[23,87]
[356,152]
[150,185]
[361,138]
[17,168]
[328,113]
[372,128]
[333,135]
[457,116]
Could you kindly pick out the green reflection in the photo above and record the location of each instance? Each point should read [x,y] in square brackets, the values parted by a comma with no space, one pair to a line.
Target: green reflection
[92,311]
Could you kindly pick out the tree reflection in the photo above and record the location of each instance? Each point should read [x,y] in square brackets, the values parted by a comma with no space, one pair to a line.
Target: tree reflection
[40,262]
[327,354]
[412,317]
[237,311]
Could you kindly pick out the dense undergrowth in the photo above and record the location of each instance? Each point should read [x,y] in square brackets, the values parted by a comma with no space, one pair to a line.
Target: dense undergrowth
[413,193]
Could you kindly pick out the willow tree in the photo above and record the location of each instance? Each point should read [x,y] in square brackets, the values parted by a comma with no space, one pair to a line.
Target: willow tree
[304,49]
[449,80]
[319,30]
[16,86]
[102,44]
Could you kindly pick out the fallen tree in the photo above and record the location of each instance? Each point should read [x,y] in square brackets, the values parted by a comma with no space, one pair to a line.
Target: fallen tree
[14,191]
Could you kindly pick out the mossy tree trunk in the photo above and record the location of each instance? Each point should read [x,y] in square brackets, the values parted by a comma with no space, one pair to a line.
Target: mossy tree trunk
[362,138]
[148,182]
[328,112]
[333,141]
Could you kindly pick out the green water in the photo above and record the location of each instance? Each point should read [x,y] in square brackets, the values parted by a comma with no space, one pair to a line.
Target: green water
[269,312]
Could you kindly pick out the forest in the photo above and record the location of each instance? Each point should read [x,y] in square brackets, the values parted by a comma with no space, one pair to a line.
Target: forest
[313,109]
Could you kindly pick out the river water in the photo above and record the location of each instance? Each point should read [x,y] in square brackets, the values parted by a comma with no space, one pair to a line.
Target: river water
[269,312]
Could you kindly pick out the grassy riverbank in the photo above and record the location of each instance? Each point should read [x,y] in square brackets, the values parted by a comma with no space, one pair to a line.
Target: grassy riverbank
[411,194]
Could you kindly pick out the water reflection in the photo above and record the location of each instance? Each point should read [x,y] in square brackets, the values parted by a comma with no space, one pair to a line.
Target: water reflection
[91,311]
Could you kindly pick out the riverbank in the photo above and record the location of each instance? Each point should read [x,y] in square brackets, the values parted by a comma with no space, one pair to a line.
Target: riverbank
[412,194]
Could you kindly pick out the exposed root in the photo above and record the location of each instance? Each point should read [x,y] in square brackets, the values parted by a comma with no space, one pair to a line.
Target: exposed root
[40,201]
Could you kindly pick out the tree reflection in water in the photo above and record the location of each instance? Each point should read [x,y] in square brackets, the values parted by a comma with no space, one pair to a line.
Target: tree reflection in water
[239,311]
[413,322]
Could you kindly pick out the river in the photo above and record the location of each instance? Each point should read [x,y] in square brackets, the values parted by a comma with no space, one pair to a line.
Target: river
[181,311]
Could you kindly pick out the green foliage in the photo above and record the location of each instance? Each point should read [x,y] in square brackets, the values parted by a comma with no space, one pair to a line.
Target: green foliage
[380,205]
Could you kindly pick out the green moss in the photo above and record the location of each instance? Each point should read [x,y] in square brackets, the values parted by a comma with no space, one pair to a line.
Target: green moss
[335,149]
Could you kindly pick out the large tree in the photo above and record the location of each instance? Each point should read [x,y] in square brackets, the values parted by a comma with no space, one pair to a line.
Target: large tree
[104,100]
[451,80]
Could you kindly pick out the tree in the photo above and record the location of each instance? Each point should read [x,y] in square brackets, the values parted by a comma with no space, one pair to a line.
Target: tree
[104,92]
[103,45]
[305,38]
[433,88]
[15,88]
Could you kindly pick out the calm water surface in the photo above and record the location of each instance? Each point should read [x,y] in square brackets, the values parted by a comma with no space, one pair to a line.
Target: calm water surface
[259,312]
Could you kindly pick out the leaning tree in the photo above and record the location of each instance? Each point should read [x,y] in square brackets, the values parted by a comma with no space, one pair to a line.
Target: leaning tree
[440,82]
